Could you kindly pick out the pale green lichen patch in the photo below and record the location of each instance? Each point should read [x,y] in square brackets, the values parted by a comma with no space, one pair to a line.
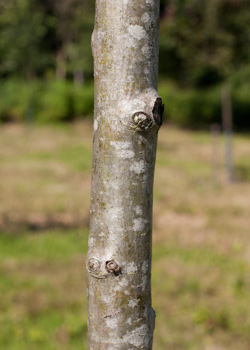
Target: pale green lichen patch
[139,224]
[146,50]
[131,268]
[138,336]
[137,32]
[123,149]
[138,210]
[133,303]
[145,17]
[138,167]
[95,125]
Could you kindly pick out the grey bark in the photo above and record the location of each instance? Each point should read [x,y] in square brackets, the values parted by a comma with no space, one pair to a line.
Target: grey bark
[128,114]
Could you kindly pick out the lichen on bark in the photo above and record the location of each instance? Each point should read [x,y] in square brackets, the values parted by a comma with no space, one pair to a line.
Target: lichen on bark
[128,114]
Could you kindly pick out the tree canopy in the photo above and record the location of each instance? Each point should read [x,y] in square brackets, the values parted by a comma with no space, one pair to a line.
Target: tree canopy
[201,41]
[42,36]
[205,41]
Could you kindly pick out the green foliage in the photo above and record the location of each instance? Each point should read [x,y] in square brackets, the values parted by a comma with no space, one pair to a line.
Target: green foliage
[42,101]
[59,101]
[203,42]
[191,107]
[199,108]
[83,97]
[15,99]
[23,30]
[36,36]
[56,103]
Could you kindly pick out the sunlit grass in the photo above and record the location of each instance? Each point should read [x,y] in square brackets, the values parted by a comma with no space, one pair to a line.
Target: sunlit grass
[43,302]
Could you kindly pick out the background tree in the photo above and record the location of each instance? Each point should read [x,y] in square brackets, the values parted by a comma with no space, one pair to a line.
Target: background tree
[23,32]
[71,36]
[205,41]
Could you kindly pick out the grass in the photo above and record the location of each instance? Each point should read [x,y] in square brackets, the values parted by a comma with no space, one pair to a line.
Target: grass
[201,264]
[43,287]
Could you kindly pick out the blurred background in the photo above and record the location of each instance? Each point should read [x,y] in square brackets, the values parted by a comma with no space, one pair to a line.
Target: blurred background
[201,253]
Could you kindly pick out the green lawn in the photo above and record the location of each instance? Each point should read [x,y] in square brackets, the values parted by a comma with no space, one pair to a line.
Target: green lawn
[201,254]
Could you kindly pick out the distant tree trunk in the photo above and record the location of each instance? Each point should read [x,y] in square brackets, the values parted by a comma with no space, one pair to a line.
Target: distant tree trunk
[128,114]
[78,77]
[227,122]
[61,65]
[215,143]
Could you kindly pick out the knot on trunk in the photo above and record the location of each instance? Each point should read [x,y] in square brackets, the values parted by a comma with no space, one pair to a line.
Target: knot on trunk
[94,267]
[112,266]
[151,119]
[142,121]
[102,269]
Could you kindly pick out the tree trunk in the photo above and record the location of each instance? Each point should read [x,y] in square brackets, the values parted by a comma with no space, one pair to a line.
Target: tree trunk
[227,122]
[61,70]
[78,77]
[128,114]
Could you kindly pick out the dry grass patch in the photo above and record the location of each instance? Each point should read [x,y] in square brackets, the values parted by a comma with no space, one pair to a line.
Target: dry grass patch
[201,264]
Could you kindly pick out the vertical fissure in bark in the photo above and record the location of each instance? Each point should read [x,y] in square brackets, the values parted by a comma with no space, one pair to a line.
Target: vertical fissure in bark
[128,114]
